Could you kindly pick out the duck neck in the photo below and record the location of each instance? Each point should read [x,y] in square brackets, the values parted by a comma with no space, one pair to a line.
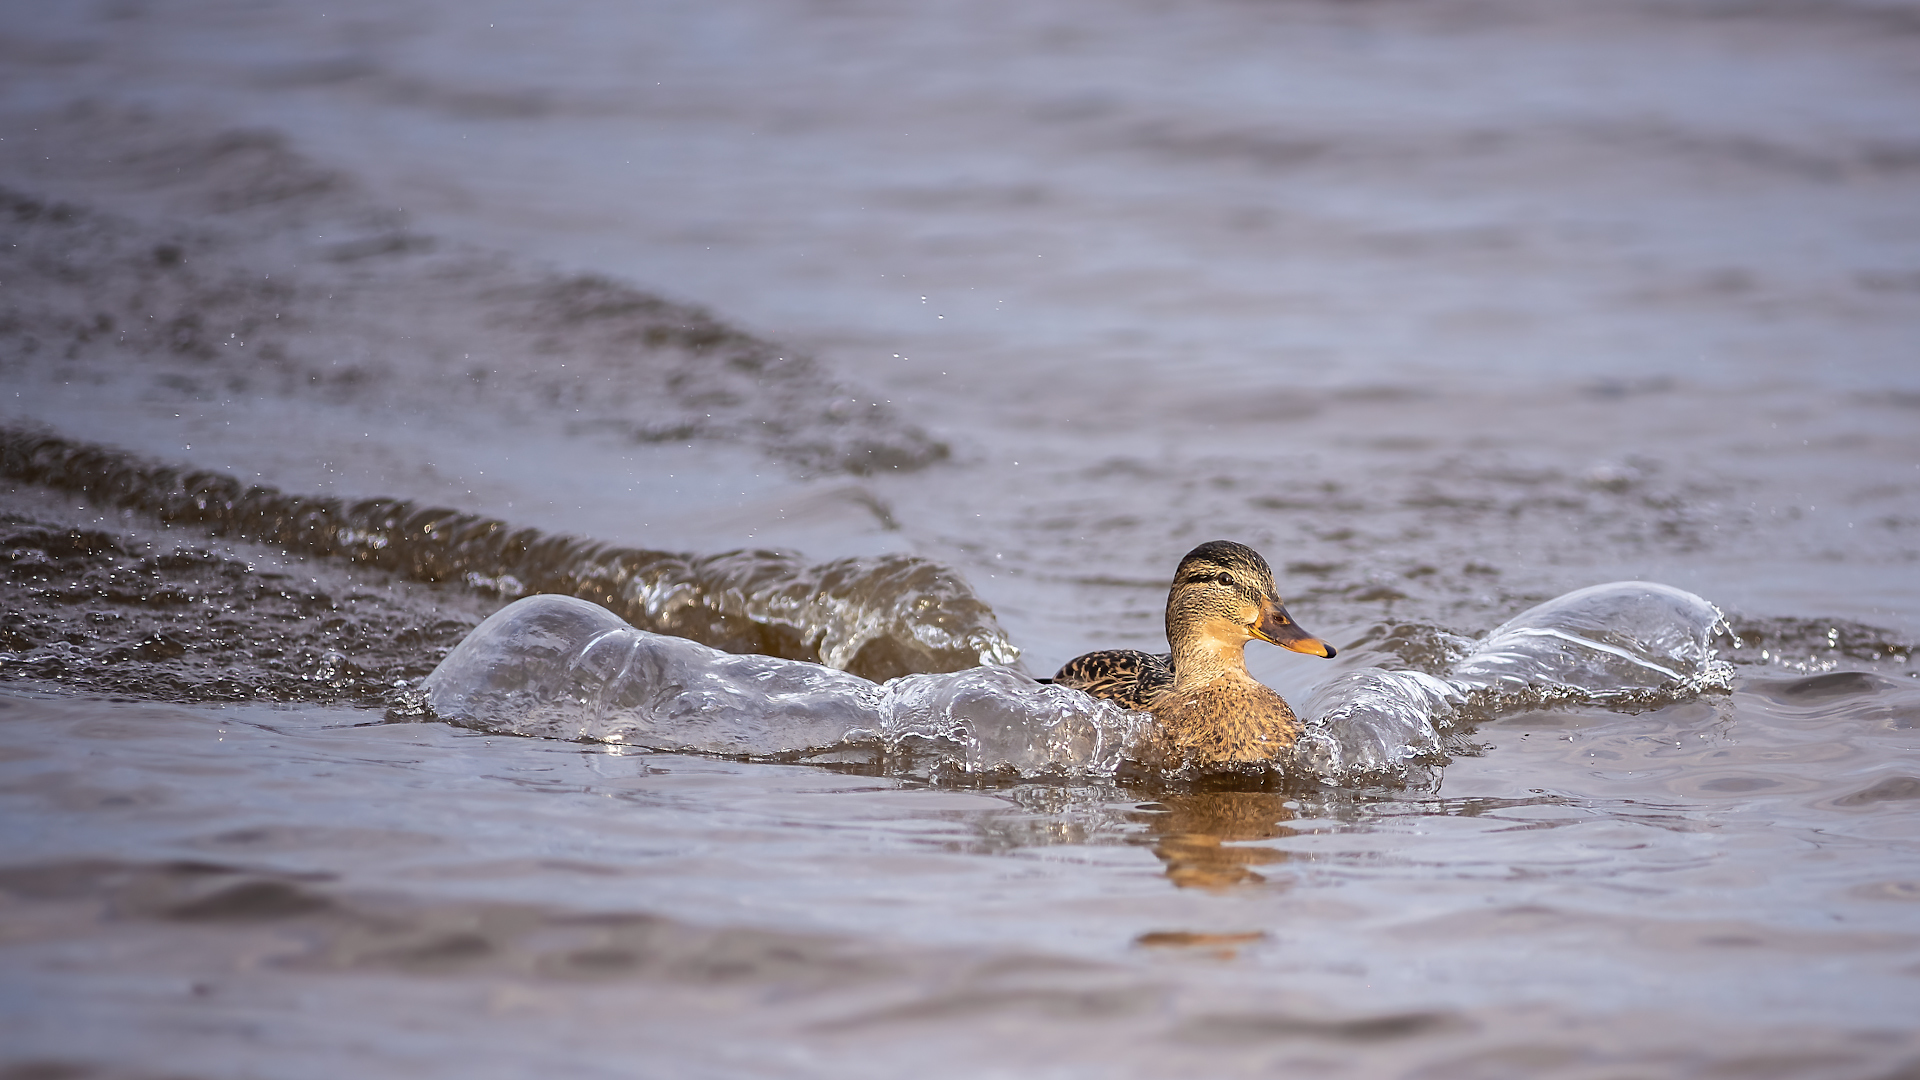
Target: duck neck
[1202,657]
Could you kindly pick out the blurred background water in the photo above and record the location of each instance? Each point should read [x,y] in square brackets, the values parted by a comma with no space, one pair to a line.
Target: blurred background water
[1446,307]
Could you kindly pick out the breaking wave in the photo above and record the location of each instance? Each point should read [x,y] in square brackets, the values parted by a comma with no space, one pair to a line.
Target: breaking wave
[880,617]
[889,661]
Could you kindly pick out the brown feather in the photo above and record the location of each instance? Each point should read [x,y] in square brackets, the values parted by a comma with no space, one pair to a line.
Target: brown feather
[1127,676]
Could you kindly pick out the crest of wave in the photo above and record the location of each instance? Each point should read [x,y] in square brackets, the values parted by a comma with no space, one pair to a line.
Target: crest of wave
[564,668]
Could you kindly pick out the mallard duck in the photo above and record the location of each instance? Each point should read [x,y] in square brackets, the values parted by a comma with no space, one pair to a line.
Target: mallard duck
[1209,710]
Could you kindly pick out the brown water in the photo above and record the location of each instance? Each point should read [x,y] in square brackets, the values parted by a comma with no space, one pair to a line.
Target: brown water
[1448,308]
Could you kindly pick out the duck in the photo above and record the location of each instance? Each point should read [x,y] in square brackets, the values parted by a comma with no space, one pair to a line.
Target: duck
[1208,710]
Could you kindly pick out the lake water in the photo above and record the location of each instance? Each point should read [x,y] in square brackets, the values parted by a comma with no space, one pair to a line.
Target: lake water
[1447,308]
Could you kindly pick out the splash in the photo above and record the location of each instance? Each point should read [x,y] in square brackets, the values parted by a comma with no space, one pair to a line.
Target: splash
[877,617]
[1628,644]
[560,667]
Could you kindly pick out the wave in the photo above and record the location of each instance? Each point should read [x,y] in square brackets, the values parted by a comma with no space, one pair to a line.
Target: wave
[889,661]
[560,667]
[880,617]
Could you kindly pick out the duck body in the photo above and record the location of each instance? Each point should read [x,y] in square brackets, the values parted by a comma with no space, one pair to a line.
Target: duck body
[1227,720]
[1209,710]
[1126,677]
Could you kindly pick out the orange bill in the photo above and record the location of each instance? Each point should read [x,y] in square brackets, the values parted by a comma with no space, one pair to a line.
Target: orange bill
[1278,627]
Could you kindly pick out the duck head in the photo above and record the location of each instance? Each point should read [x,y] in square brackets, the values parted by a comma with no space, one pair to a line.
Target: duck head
[1223,597]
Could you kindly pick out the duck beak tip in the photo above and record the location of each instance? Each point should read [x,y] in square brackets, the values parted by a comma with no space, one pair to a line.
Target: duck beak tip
[1310,646]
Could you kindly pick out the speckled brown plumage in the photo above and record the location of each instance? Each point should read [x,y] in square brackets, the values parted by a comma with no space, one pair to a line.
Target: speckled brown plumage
[1209,710]
[1127,676]
[1226,720]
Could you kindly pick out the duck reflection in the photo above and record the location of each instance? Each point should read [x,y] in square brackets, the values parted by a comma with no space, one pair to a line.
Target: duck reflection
[1201,836]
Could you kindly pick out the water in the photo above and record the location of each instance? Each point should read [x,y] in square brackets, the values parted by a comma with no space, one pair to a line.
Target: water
[761,325]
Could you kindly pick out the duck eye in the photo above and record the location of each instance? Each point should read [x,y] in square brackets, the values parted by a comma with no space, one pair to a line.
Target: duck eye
[1224,578]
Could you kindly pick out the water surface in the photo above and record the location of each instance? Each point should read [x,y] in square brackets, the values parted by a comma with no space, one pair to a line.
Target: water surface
[1448,309]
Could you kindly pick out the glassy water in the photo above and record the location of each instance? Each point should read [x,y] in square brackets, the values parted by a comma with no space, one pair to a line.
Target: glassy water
[919,344]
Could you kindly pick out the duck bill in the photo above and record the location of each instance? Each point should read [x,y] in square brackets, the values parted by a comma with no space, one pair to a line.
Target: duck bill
[1278,627]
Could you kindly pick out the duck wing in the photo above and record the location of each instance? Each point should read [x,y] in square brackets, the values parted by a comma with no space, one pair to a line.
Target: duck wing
[1127,677]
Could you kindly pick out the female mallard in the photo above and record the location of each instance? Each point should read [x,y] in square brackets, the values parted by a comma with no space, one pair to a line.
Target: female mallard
[1209,709]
